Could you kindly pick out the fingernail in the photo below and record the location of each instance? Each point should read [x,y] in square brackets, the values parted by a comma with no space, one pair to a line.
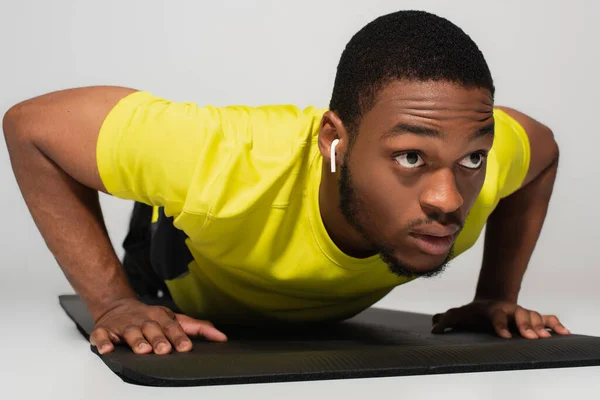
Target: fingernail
[532,333]
[144,346]
[104,349]
[162,348]
[183,344]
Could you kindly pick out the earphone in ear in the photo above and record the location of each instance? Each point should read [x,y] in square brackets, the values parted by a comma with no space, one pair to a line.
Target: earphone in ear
[332,155]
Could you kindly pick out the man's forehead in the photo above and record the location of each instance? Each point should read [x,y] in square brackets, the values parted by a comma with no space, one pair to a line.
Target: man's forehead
[433,96]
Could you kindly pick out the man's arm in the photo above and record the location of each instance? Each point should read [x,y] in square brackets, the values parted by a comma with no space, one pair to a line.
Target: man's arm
[515,225]
[52,145]
[514,228]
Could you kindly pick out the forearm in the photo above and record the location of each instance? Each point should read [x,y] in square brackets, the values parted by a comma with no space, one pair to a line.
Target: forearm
[69,218]
[511,235]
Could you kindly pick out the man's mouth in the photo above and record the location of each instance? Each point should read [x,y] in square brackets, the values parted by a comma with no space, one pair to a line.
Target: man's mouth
[433,244]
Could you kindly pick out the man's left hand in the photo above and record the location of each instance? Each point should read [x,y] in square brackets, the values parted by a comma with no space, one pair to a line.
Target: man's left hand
[499,316]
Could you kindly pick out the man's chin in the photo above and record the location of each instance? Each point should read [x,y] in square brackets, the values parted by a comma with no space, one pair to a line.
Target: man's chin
[420,266]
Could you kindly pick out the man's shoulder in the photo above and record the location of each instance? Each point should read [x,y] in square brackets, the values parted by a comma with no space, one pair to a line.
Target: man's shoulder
[270,131]
[272,117]
[262,160]
[511,152]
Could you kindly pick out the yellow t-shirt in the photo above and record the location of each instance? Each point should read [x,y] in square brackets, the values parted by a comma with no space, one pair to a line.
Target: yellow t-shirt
[243,184]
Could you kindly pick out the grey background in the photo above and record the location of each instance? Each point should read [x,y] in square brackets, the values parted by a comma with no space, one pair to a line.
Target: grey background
[544,57]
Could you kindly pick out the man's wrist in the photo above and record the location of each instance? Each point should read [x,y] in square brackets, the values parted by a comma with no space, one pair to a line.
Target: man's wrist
[115,289]
[98,308]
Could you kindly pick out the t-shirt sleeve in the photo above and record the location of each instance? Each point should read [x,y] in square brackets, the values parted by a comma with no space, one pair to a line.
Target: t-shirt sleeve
[148,149]
[512,151]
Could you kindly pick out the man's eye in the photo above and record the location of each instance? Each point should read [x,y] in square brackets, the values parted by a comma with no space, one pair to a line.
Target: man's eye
[410,159]
[473,160]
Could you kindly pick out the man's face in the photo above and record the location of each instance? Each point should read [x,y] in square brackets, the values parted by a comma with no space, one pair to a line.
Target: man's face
[415,169]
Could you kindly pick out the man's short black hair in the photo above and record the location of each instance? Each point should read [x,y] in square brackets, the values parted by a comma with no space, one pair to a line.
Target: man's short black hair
[413,45]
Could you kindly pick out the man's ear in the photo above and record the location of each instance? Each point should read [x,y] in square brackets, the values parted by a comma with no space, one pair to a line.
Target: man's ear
[332,128]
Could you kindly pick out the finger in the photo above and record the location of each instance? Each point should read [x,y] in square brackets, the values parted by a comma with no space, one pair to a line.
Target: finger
[500,324]
[174,332]
[537,324]
[194,327]
[552,322]
[523,322]
[135,339]
[114,338]
[101,340]
[439,328]
[440,316]
[445,322]
[156,337]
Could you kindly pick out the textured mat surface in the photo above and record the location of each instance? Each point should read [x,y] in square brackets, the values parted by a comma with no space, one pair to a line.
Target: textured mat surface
[375,343]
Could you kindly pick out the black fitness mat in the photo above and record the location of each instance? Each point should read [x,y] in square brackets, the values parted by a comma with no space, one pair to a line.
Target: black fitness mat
[375,343]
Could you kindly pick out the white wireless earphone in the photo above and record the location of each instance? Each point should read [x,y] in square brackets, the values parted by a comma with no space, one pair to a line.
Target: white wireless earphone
[333,144]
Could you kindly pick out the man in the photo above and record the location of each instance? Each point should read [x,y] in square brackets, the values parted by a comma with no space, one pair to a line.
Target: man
[298,215]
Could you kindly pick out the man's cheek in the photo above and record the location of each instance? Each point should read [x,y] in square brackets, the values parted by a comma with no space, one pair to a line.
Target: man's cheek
[469,192]
[388,209]
[470,198]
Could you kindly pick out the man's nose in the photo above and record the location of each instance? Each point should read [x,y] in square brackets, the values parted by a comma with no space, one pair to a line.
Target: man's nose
[441,194]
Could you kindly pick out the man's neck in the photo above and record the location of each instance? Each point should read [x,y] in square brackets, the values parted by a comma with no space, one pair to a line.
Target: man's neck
[342,233]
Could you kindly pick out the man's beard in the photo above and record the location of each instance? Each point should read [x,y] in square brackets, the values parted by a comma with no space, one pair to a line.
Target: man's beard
[352,207]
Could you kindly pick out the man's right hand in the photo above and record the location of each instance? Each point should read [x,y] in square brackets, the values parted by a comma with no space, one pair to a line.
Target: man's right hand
[149,329]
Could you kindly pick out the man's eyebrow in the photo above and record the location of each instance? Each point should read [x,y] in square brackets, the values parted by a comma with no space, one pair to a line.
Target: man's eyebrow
[485,131]
[404,128]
